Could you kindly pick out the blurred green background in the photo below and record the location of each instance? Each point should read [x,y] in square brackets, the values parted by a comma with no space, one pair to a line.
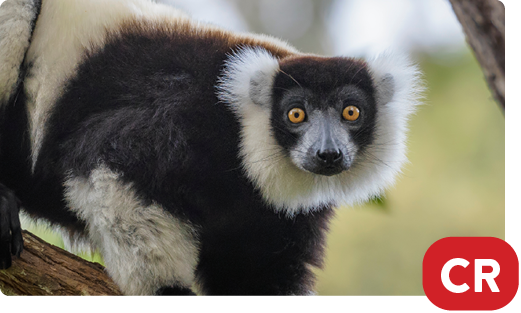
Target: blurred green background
[454,184]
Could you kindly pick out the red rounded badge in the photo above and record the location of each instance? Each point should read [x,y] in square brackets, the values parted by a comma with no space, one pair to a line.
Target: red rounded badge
[470,273]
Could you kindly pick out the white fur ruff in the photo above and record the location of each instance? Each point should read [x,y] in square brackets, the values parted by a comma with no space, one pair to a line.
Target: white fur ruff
[291,190]
[144,247]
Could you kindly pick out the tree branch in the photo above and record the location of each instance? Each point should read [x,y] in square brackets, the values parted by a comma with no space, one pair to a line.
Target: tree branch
[484,24]
[44,269]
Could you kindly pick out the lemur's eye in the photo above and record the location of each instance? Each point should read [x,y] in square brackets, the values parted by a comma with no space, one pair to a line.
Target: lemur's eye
[296,115]
[351,113]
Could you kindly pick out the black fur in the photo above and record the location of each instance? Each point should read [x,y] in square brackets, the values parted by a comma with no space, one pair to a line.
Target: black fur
[174,291]
[11,242]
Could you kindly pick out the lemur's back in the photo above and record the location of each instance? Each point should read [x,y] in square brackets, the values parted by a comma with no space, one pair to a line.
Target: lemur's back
[93,59]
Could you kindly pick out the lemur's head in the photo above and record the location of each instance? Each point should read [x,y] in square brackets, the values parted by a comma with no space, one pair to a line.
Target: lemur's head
[320,130]
[323,112]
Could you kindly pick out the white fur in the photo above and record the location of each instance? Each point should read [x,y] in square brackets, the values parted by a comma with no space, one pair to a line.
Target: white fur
[143,246]
[292,190]
[236,83]
[15,32]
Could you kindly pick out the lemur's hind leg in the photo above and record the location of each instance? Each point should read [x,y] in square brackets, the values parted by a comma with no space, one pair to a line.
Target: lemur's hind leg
[146,250]
[175,291]
[11,242]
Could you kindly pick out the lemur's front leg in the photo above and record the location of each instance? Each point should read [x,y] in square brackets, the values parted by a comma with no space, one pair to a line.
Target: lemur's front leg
[11,242]
[262,253]
[146,250]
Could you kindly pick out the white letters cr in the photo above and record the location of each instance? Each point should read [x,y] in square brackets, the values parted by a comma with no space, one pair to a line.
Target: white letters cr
[479,276]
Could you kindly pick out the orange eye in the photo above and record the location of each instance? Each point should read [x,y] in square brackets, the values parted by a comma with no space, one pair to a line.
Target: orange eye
[351,113]
[296,115]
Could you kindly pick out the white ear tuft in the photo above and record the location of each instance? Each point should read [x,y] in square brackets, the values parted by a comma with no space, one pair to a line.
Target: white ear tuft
[247,78]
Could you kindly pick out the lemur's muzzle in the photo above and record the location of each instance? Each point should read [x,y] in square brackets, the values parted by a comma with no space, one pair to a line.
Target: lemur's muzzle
[330,157]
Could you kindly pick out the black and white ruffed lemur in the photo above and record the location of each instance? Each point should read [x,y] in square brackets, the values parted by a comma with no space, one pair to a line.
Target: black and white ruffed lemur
[187,154]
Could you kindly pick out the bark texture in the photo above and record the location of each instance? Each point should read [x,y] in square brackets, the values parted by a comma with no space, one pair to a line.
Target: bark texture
[484,24]
[44,269]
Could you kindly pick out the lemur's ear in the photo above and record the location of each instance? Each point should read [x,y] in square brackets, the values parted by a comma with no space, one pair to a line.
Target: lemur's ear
[260,87]
[385,88]
[248,78]
[397,81]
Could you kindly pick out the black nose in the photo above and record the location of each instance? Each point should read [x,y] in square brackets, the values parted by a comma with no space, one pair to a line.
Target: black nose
[329,157]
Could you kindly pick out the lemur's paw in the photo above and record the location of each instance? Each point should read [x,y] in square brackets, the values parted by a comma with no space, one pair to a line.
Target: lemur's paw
[11,241]
[175,291]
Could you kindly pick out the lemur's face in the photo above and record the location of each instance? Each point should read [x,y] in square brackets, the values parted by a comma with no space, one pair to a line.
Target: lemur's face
[323,112]
[316,130]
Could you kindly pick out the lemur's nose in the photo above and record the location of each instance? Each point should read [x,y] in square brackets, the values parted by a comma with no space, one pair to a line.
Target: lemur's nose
[329,156]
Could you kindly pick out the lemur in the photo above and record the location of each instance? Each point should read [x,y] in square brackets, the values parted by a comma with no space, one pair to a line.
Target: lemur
[184,153]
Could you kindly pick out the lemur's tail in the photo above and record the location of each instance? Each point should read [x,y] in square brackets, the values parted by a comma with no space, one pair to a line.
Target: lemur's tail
[17,20]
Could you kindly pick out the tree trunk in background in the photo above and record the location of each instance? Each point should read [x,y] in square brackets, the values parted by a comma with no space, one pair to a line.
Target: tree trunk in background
[44,269]
[484,24]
